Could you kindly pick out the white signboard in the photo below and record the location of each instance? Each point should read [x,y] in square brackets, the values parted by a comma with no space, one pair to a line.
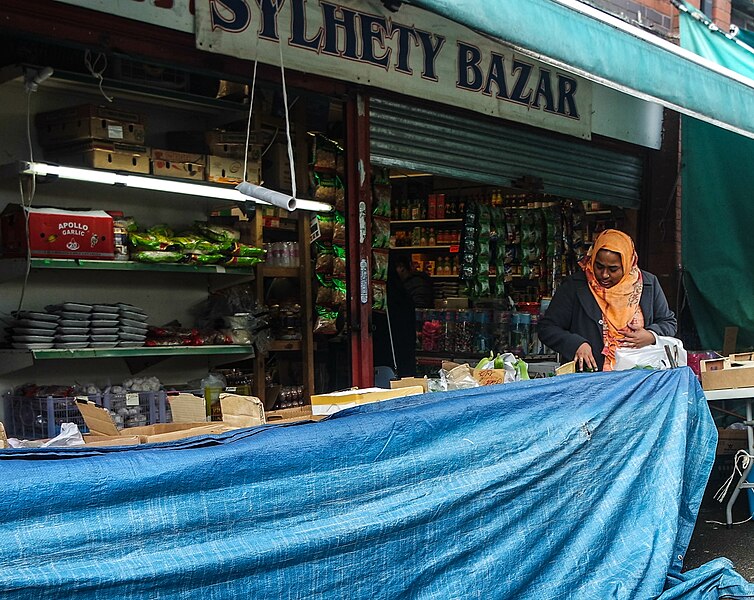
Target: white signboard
[412,52]
[173,14]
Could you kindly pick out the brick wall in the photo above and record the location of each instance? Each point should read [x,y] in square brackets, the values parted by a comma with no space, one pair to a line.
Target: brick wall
[659,16]
[654,15]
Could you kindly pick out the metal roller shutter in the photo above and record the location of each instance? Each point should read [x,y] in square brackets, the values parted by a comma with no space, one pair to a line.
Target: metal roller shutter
[425,140]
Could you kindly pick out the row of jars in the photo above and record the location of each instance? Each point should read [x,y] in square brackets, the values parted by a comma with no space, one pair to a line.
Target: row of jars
[477,331]
[426,236]
[282,254]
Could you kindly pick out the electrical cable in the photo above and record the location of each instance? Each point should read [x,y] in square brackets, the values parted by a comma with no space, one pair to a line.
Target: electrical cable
[248,123]
[24,206]
[287,122]
[97,71]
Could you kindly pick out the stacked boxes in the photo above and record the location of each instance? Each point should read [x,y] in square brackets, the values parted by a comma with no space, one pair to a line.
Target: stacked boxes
[101,137]
[226,154]
[94,136]
[182,165]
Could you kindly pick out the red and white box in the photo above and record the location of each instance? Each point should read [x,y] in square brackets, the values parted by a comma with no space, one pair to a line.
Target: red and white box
[57,233]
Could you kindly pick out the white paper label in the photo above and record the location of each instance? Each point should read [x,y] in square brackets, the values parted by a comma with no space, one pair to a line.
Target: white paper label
[115,132]
[364,276]
[132,399]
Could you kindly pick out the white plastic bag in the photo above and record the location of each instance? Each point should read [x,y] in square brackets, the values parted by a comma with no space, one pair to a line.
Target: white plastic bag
[654,356]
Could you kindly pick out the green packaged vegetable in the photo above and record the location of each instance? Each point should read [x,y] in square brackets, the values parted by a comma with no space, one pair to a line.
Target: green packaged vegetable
[154,256]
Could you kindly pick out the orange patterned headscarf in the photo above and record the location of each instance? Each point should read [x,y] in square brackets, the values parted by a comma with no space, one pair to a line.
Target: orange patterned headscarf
[620,303]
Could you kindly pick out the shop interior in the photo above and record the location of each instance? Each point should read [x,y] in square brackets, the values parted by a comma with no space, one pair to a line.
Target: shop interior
[218,294]
[493,256]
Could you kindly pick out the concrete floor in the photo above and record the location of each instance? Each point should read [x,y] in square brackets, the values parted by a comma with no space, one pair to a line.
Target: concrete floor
[713,540]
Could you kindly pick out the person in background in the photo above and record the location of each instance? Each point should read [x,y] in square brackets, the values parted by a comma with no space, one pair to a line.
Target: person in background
[418,284]
[609,304]
[407,289]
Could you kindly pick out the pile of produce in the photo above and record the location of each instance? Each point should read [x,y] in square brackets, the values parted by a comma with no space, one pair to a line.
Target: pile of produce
[207,244]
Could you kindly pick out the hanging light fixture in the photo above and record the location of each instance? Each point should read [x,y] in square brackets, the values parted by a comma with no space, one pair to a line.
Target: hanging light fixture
[157,184]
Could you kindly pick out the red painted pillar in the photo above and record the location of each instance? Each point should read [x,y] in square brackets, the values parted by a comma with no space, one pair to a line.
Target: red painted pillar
[359,240]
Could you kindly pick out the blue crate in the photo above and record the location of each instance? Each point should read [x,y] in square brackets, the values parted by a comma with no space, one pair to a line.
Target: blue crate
[41,418]
[148,407]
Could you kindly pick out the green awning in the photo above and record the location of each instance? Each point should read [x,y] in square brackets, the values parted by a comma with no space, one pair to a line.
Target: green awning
[745,36]
[605,49]
[717,212]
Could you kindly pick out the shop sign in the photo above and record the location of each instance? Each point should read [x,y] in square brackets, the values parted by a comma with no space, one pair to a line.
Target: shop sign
[412,52]
[173,14]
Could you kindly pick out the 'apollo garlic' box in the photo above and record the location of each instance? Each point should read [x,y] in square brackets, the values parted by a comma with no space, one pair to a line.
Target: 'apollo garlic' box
[57,233]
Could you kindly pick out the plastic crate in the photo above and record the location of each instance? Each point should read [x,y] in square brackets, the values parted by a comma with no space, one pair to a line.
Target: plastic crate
[40,418]
[136,408]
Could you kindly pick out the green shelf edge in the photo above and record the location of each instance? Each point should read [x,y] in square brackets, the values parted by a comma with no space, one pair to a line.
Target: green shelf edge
[57,353]
[115,265]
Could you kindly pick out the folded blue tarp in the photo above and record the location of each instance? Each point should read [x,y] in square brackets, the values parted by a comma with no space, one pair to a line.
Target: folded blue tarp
[584,486]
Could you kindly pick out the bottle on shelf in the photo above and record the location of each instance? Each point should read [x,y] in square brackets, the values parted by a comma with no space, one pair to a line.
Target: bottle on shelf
[432,240]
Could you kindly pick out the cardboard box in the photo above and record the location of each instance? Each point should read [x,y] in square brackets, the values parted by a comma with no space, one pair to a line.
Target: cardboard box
[89,122]
[404,382]
[328,404]
[730,441]
[735,371]
[236,410]
[101,426]
[292,415]
[221,169]
[56,233]
[277,170]
[440,201]
[182,165]
[103,155]
[489,376]
[432,206]
[232,144]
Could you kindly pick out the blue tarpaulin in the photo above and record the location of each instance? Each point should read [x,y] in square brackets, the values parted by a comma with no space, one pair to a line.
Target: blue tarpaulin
[583,486]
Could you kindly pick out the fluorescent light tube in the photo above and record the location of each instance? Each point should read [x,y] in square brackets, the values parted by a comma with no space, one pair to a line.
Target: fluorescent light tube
[155,184]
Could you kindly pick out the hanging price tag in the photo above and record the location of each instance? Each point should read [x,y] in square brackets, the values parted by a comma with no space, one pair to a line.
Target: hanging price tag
[132,399]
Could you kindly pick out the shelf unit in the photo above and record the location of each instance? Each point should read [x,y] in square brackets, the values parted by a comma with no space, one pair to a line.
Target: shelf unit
[9,266]
[283,350]
[159,201]
[14,360]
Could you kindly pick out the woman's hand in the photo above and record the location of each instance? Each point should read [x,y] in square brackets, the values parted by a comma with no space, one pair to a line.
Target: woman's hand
[636,338]
[584,358]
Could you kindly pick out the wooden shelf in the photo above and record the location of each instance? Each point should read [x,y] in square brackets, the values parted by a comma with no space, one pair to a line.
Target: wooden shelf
[426,221]
[268,271]
[285,345]
[423,248]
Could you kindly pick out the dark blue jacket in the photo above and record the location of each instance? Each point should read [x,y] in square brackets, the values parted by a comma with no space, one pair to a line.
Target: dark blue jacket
[574,317]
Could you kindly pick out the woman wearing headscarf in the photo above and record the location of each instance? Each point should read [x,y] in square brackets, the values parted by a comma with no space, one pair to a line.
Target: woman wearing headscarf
[609,304]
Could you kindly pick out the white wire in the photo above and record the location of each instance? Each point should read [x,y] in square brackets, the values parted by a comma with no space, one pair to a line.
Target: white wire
[24,206]
[287,122]
[745,458]
[736,523]
[97,72]
[248,124]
